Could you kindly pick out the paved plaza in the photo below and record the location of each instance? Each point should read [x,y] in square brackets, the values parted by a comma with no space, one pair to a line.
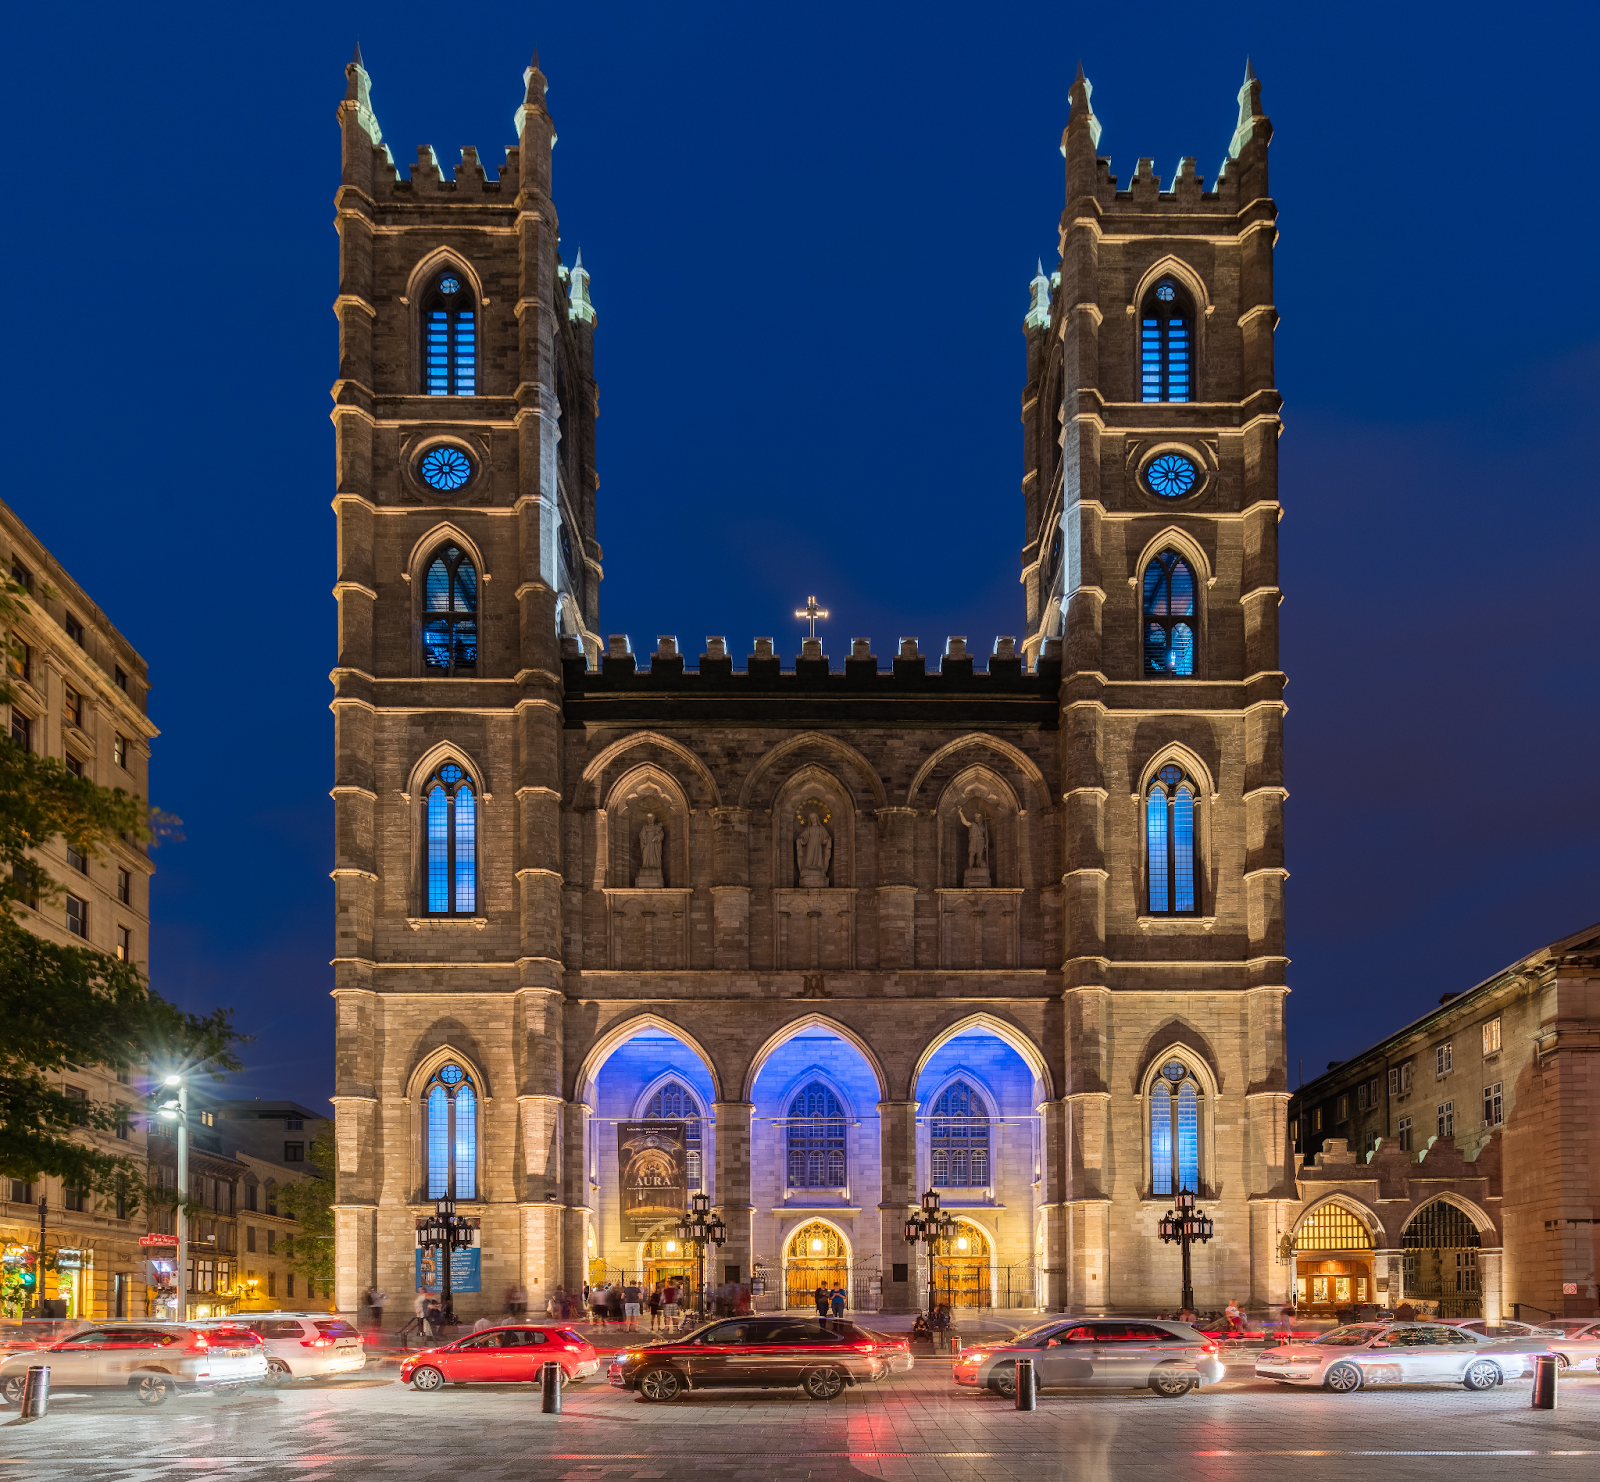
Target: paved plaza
[914,1426]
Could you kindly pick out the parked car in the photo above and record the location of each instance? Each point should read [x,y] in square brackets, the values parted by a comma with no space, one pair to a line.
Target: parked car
[306,1345]
[153,1359]
[1579,1344]
[893,1348]
[1503,1329]
[753,1353]
[513,1353]
[1170,1358]
[37,1332]
[1360,1355]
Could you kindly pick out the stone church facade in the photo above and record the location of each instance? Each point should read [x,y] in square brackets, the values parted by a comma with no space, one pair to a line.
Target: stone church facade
[1014,930]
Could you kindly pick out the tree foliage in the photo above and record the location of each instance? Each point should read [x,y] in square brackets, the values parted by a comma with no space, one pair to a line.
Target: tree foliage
[310,1201]
[64,1007]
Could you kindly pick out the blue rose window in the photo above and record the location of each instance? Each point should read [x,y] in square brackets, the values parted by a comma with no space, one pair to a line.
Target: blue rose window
[445,468]
[448,284]
[1165,293]
[1171,476]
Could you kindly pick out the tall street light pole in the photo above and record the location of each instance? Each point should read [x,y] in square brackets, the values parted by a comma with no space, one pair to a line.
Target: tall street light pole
[930,1225]
[700,1227]
[178,1110]
[1187,1226]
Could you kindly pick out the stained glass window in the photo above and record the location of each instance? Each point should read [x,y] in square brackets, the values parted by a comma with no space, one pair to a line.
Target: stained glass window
[445,468]
[452,1143]
[959,1138]
[1166,345]
[450,333]
[450,620]
[451,825]
[675,1102]
[1169,614]
[1174,1131]
[1171,475]
[1172,865]
[816,1139]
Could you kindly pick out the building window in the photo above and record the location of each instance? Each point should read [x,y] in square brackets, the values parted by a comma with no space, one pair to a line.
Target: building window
[675,1102]
[1443,1058]
[74,765]
[1170,851]
[450,624]
[77,916]
[72,1199]
[1166,336]
[272,1198]
[1494,1106]
[78,861]
[1446,1115]
[1343,1113]
[71,706]
[816,1139]
[209,1119]
[250,1201]
[21,729]
[1169,615]
[288,1279]
[124,944]
[272,1283]
[451,1104]
[120,678]
[19,659]
[272,1242]
[294,1152]
[22,576]
[124,887]
[74,629]
[450,331]
[294,1124]
[1403,1128]
[21,1193]
[119,750]
[250,1234]
[1316,1119]
[1174,1131]
[1491,1038]
[959,1139]
[123,1126]
[450,805]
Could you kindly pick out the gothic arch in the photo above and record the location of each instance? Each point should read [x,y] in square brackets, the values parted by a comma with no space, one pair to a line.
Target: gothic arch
[437,755]
[426,1065]
[811,1073]
[1174,539]
[667,1077]
[970,788]
[423,1071]
[594,772]
[973,1079]
[811,1217]
[430,264]
[414,575]
[1018,1039]
[646,788]
[1182,756]
[1019,759]
[1191,1049]
[1352,1205]
[425,548]
[830,744]
[1478,1216]
[620,1032]
[782,1036]
[814,782]
[1172,266]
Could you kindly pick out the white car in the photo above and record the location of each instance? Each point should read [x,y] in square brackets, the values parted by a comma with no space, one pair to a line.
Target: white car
[1579,1344]
[1504,1329]
[153,1359]
[1363,1355]
[307,1345]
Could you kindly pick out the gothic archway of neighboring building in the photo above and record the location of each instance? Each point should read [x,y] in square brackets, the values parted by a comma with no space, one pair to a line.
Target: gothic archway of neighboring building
[817,1254]
[1333,1259]
[1439,1258]
[963,1268]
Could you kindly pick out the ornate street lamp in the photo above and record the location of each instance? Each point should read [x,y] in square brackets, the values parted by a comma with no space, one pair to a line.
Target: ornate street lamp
[444,1230]
[701,1226]
[1186,1225]
[930,1225]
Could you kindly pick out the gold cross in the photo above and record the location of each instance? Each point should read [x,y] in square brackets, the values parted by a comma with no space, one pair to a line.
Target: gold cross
[812,611]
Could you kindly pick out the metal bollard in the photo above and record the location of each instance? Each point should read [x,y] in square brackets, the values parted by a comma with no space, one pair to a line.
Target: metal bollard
[1027,1390]
[955,1346]
[1544,1381]
[550,1384]
[36,1392]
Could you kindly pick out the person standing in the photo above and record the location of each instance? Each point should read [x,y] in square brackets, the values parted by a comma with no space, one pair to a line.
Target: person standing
[375,1305]
[632,1298]
[519,1300]
[420,1309]
[1235,1317]
[822,1297]
[654,1303]
[614,1304]
[838,1304]
[669,1303]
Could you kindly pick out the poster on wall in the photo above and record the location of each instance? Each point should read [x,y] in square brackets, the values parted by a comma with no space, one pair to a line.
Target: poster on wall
[653,1163]
[466,1274]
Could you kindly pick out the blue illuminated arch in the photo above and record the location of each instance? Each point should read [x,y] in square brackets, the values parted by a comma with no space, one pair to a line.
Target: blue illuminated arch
[1172,874]
[450,1102]
[450,827]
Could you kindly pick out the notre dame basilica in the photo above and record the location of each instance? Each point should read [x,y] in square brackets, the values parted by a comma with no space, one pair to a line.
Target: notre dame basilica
[821,931]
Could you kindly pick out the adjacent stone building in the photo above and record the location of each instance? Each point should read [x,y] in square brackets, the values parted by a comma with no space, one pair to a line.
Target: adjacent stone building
[1450,1165]
[842,926]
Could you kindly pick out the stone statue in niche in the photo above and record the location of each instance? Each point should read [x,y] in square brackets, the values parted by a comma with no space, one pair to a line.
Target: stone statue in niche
[651,835]
[977,873]
[813,850]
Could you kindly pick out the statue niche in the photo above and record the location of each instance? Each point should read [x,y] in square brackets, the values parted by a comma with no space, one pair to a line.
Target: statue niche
[976,876]
[813,847]
[651,838]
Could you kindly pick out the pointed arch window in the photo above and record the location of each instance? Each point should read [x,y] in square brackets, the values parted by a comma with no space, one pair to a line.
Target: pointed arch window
[1169,602]
[1174,1131]
[816,1139]
[450,810]
[675,1102]
[450,1107]
[450,619]
[1166,344]
[1170,844]
[959,1139]
[450,335]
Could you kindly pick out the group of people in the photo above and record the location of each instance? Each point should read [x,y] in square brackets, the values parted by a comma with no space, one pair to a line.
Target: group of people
[829,1300]
[628,1304]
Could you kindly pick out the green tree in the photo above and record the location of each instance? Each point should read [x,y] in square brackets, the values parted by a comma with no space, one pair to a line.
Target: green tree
[310,1202]
[63,1008]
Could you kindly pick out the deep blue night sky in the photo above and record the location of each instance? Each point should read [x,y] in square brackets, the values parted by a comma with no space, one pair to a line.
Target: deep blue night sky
[811,231]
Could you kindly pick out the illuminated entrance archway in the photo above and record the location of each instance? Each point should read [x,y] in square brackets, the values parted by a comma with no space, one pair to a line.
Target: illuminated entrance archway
[963,1269]
[817,1254]
[1333,1260]
[1439,1248]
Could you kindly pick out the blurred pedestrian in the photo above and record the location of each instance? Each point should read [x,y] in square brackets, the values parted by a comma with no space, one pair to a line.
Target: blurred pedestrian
[654,1305]
[614,1303]
[822,1297]
[420,1309]
[669,1303]
[1235,1317]
[632,1305]
[519,1300]
[375,1305]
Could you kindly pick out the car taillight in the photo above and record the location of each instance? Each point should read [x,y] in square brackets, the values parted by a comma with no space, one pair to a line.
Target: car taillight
[316,1342]
[197,1343]
[1208,1348]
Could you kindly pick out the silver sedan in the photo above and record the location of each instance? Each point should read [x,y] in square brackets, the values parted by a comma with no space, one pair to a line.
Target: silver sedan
[1363,1355]
[1578,1347]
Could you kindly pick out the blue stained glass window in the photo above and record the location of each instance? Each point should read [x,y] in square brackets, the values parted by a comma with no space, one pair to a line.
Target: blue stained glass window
[450,589]
[1188,1138]
[959,1138]
[452,843]
[816,1139]
[445,468]
[466,850]
[1170,844]
[438,851]
[438,1143]
[466,1143]
[1159,899]
[675,1102]
[452,1075]
[1160,1141]
[1166,368]
[450,334]
[1169,597]
[1171,475]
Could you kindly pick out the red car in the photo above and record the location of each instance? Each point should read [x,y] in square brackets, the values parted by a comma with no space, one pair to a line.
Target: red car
[511,1354]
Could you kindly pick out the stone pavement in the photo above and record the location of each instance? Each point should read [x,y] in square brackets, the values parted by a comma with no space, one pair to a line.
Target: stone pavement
[913,1428]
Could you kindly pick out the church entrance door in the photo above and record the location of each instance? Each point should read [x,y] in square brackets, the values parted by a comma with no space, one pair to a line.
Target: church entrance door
[961,1269]
[661,1264]
[816,1255]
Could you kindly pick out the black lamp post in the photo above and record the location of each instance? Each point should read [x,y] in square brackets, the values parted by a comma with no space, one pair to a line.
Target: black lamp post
[930,1225]
[701,1227]
[444,1230]
[1186,1225]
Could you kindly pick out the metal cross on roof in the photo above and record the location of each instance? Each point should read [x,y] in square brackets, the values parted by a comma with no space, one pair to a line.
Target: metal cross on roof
[813,612]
